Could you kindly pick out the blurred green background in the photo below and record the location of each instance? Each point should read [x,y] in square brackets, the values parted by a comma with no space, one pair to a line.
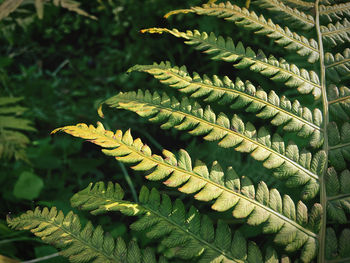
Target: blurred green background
[63,65]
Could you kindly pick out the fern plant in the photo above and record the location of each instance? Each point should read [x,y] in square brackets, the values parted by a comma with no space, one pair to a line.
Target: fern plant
[12,141]
[312,226]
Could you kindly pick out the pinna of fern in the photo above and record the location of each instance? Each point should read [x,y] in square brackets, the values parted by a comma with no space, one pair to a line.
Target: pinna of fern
[312,229]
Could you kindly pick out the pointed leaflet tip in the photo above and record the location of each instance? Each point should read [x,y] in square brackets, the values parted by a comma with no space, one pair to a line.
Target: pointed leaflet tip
[179,11]
[100,112]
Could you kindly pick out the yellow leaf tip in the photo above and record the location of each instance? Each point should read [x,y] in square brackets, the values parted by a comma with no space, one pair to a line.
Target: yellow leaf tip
[179,11]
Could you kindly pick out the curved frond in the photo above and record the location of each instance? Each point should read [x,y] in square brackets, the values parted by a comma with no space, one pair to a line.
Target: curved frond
[277,70]
[339,102]
[338,247]
[338,66]
[292,16]
[335,12]
[282,112]
[338,193]
[337,33]
[162,219]
[339,145]
[79,245]
[249,20]
[287,162]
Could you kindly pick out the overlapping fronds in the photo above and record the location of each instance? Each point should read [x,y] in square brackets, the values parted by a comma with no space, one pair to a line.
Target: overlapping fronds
[292,16]
[282,112]
[339,102]
[337,33]
[335,12]
[338,189]
[249,20]
[224,49]
[162,219]
[338,66]
[13,142]
[79,244]
[339,142]
[287,161]
[338,246]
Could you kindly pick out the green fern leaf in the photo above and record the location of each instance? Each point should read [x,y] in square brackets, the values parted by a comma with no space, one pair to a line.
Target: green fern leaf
[339,102]
[284,113]
[335,12]
[339,142]
[338,66]
[337,33]
[286,161]
[13,142]
[277,70]
[338,189]
[249,20]
[338,250]
[292,16]
[171,223]
[79,245]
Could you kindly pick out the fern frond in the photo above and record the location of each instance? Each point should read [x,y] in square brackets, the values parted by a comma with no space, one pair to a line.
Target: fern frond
[292,16]
[277,70]
[168,221]
[8,6]
[73,6]
[284,113]
[337,33]
[339,142]
[13,142]
[338,249]
[249,20]
[335,12]
[287,162]
[299,4]
[79,245]
[339,102]
[338,193]
[338,66]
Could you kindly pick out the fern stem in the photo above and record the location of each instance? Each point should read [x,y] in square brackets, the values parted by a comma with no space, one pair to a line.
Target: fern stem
[42,258]
[339,100]
[341,196]
[129,181]
[339,146]
[323,194]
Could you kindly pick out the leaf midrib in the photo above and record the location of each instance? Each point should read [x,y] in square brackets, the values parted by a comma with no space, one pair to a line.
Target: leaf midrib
[147,208]
[62,227]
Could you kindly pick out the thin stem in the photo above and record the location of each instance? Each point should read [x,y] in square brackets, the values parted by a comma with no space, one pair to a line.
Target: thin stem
[42,258]
[129,181]
[323,194]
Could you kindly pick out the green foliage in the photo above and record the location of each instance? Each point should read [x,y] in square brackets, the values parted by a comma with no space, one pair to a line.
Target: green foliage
[12,141]
[255,222]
